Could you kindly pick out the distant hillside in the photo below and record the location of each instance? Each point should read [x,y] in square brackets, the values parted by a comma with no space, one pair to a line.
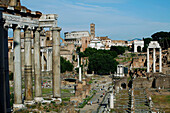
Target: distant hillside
[135,39]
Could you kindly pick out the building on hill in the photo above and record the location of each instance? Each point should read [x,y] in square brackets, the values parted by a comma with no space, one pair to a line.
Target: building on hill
[96,43]
[75,37]
[105,41]
[119,43]
[85,42]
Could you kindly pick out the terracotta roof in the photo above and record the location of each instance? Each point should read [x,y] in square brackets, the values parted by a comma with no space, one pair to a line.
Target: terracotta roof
[118,41]
[103,38]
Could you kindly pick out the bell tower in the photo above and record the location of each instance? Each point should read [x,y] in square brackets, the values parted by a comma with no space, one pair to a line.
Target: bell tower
[92,30]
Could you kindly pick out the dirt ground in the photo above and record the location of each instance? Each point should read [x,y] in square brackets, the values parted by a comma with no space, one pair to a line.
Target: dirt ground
[161,99]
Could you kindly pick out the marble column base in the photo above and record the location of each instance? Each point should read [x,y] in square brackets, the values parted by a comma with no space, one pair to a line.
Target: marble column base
[57,100]
[29,102]
[38,99]
[18,106]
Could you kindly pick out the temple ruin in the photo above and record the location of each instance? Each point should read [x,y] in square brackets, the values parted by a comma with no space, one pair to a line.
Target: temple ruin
[18,17]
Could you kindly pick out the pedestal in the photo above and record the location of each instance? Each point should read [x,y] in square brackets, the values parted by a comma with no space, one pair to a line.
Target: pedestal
[38,99]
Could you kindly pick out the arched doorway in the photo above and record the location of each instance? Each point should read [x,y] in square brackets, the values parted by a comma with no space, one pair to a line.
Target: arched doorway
[123,85]
[139,49]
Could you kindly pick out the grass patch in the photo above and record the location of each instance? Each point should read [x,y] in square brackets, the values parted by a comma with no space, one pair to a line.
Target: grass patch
[65,91]
[46,90]
[66,99]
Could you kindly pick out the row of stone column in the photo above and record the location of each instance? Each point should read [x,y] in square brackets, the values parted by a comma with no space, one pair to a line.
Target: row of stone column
[37,67]
[49,60]
[154,60]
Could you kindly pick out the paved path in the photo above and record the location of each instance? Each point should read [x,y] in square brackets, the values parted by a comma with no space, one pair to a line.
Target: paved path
[93,108]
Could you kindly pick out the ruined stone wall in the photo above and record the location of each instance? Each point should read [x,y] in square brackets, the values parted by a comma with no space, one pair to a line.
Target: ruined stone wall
[162,82]
[168,55]
[121,81]
[4,2]
[142,83]
[139,62]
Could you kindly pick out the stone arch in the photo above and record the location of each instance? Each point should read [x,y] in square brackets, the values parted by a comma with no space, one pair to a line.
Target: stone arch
[130,84]
[154,83]
[139,49]
[138,43]
[123,85]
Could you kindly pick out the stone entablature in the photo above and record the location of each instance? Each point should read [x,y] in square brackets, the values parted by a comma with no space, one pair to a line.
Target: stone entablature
[21,21]
[154,44]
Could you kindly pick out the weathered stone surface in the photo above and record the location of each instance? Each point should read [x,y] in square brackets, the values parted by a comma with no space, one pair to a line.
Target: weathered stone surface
[4,2]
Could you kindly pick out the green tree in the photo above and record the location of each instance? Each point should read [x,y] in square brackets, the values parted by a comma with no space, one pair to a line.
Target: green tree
[102,63]
[118,49]
[65,65]
[146,43]
[163,38]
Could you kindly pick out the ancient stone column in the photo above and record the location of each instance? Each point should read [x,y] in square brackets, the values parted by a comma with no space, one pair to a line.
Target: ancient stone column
[154,61]
[6,69]
[42,61]
[37,68]
[160,60]
[3,108]
[48,60]
[80,78]
[56,62]
[28,66]
[17,68]
[111,101]
[78,61]
[148,60]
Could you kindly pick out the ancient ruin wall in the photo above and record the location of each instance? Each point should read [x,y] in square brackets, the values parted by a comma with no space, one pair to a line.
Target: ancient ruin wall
[4,2]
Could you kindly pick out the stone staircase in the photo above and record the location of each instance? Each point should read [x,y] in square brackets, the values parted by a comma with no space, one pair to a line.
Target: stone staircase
[141,101]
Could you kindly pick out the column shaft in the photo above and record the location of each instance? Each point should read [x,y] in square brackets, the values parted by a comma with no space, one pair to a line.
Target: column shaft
[80,78]
[111,101]
[17,67]
[154,61]
[37,60]
[148,67]
[7,70]
[160,60]
[2,68]
[56,63]
[78,61]
[28,66]
[48,60]
[42,61]
[51,61]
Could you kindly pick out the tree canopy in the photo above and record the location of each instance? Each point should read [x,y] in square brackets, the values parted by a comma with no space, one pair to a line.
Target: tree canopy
[102,61]
[163,38]
[146,43]
[65,65]
[118,49]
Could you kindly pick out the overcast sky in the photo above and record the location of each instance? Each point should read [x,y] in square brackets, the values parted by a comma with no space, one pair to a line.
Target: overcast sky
[118,19]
